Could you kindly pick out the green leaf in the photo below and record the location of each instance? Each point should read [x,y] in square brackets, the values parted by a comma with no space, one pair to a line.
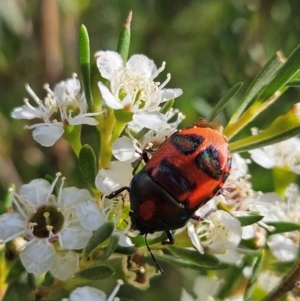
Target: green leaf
[84,59]
[49,279]
[260,81]
[88,165]
[268,94]
[113,243]
[72,135]
[5,204]
[282,128]
[125,250]
[96,272]
[254,275]
[124,39]
[193,256]
[224,101]
[282,226]
[249,220]
[293,83]
[15,271]
[99,236]
[188,264]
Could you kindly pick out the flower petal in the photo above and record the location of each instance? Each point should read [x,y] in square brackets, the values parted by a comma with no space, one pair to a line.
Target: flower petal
[149,120]
[37,257]
[141,66]
[117,175]
[108,63]
[48,134]
[194,238]
[283,248]
[36,192]
[74,237]
[87,293]
[89,215]
[123,149]
[168,94]
[82,119]
[64,265]
[26,113]
[73,196]
[109,98]
[10,224]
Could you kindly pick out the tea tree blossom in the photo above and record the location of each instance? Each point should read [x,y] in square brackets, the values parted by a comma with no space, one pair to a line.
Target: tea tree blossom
[65,103]
[43,219]
[284,154]
[132,87]
[216,234]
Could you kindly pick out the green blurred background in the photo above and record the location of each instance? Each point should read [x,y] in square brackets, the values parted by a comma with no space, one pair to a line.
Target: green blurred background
[208,46]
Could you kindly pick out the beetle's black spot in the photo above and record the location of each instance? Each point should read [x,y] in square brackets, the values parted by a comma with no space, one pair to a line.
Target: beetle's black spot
[172,178]
[208,161]
[186,144]
[225,176]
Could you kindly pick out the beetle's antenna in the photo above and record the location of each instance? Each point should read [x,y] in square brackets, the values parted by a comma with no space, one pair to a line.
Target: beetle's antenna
[153,258]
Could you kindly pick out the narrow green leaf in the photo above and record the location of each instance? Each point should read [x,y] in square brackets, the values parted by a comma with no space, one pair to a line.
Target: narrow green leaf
[84,59]
[188,264]
[99,236]
[167,106]
[253,279]
[124,39]
[88,165]
[260,81]
[5,204]
[282,226]
[293,83]
[268,94]
[96,272]
[113,243]
[224,101]
[282,128]
[283,75]
[193,256]
[15,271]
[249,220]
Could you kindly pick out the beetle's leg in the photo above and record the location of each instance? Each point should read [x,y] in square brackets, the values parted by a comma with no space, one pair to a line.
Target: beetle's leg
[200,219]
[170,237]
[115,193]
[143,157]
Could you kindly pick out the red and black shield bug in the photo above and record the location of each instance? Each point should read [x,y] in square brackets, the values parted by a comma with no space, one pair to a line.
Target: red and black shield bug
[187,170]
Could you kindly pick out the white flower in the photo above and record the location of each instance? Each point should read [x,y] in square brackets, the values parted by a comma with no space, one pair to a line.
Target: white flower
[218,233]
[43,218]
[132,87]
[117,175]
[274,208]
[88,293]
[64,103]
[284,154]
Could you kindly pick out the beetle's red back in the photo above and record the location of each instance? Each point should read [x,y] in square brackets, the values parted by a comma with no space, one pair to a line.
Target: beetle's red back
[192,165]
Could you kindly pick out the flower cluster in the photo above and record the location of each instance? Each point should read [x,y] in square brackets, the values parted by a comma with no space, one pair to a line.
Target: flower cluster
[65,103]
